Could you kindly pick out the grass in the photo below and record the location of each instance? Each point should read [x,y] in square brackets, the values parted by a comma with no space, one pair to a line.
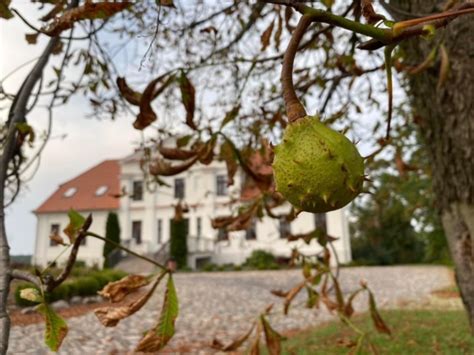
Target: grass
[414,332]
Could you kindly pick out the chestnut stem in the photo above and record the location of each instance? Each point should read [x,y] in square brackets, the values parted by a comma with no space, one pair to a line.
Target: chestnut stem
[294,108]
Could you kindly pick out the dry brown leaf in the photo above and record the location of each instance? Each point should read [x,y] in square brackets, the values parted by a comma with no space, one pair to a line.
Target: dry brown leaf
[291,295]
[227,154]
[88,11]
[118,290]
[57,239]
[272,338]
[161,167]
[235,344]
[128,94]
[188,96]
[176,153]
[265,38]
[110,316]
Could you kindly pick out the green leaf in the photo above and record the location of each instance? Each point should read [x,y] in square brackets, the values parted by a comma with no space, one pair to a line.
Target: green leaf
[4,10]
[76,221]
[56,327]
[160,335]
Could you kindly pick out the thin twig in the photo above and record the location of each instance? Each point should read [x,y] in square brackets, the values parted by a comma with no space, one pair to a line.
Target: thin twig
[119,246]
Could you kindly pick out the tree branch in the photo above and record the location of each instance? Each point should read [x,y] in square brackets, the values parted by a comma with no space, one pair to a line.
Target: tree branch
[51,284]
[25,276]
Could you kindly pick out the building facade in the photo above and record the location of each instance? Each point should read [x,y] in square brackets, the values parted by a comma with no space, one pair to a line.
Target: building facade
[146,214]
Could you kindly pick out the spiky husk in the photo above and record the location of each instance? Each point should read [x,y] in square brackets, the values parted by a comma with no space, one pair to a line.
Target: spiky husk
[316,168]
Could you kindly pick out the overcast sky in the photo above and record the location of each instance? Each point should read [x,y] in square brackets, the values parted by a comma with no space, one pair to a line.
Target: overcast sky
[88,141]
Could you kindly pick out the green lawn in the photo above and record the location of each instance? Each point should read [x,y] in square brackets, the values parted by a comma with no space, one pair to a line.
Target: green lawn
[414,332]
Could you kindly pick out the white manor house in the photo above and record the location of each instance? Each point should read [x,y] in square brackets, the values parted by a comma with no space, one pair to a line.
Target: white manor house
[145,216]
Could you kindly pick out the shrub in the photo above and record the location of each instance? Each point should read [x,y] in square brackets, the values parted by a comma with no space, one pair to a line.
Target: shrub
[261,260]
[112,233]
[178,244]
[79,286]
[87,285]
[209,267]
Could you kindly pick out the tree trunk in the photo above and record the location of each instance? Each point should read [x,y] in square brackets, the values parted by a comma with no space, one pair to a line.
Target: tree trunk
[446,120]
[4,286]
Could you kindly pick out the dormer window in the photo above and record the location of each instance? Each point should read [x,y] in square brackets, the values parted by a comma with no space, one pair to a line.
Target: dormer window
[137,191]
[101,190]
[70,192]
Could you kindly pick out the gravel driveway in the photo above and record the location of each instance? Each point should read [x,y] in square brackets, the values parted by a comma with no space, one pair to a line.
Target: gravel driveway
[223,304]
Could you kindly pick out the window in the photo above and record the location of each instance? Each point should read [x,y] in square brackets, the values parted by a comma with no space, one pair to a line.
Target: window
[54,231]
[221,185]
[137,191]
[70,192]
[222,234]
[251,232]
[137,231]
[160,231]
[179,188]
[198,227]
[285,228]
[101,190]
[320,221]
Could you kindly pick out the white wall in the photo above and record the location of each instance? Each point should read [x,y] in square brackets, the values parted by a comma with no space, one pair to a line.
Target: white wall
[91,252]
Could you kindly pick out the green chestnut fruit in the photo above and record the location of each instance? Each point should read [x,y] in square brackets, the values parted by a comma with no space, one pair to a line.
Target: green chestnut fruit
[316,168]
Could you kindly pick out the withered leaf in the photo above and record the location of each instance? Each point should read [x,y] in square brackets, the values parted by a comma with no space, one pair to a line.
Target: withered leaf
[236,343]
[156,338]
[58,7]
[291,295]
[255,346]
[176,153]
[348,309]
[206,151]
[369,13]
[88,11]
[167,3]
[279,293]
[57,239]
[288,16]
[128,94]
[227,154]
[272,338]
[188,94]
[379,323]
[118,290]
[164,168]
[31,37]
[266,35]
[146,116]
[110,316]
[4,10]
[277,36]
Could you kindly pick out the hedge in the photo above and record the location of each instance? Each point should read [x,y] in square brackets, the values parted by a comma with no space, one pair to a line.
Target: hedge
[81,286]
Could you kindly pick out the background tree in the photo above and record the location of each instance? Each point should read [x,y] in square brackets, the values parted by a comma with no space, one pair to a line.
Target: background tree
[178,242]
[242,43]
[112,232]
[444,113]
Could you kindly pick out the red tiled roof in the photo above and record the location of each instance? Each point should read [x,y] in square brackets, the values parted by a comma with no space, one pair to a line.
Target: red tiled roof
[106,173]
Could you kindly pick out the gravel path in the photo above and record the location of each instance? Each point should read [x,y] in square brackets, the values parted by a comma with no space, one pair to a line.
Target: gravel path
[223,304]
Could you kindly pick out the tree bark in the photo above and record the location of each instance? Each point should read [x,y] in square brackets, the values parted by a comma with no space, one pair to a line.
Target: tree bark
[446,119]
[17,114]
